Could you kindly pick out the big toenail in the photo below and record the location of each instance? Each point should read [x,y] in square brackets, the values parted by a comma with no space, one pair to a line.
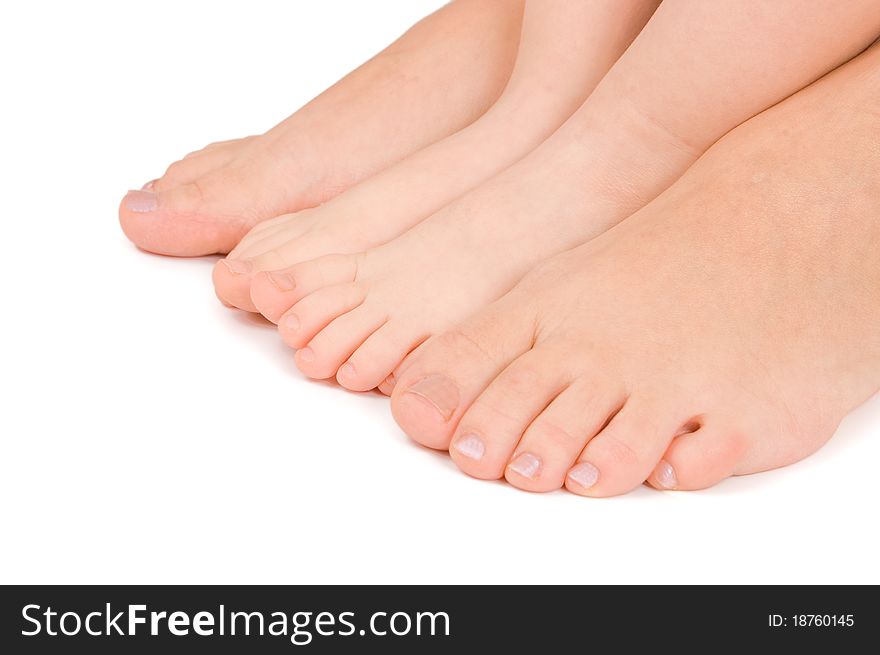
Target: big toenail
[238,266]
[471,446]
[141,202]
[282,281]
[584,475]
[439,391]
[526,465]
[291,322]
[306,355]
[347,371]
[665,475]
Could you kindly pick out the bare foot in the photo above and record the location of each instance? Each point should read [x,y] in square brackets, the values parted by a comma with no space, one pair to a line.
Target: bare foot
[357,316]
[731,324]
[438,77]
[565,49]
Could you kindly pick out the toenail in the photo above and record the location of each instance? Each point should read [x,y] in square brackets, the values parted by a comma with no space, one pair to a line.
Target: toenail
[282,281]
[291,322]
[347,371]
[526,465]
[390,381]
[148,186]
[306,355]
[439,391]
[584,475]
[141,202]
[665,475]
[471,446]
[238,266]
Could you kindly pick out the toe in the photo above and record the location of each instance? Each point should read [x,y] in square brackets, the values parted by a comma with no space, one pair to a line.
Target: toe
[193,166]
[386,386]
[438,383]
[232,282]
[625,452]
[372,363]
[302,321]
[328,350]
[552,443]
[700,459]
[188,220]
[489,430]
[207,215]
[234,278]
[273,293]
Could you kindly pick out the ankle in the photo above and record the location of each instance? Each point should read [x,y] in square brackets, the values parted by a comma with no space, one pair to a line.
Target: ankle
[629,156]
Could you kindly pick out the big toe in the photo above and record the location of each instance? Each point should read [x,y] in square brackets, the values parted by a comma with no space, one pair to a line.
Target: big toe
[437,384]
[206,216]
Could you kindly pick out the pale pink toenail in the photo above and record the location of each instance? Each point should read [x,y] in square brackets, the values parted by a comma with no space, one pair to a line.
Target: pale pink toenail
[439,392]
[665,475]
[291,322]
[282,281]
[141,202]
[526,465]
[471,446]
[306,355]
[347,371]
[238,266]
[390,381]
[148,186]
[584,475]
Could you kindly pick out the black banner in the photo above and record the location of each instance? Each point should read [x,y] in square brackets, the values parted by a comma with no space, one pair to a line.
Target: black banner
[333,619]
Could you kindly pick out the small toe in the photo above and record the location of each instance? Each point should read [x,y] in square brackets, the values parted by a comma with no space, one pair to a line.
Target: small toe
[307,277]
[553,441]
[386,387]
[273,293]
[625,452]
[490,429]
[302,321]
[700,459]
[371,365]
[332,346]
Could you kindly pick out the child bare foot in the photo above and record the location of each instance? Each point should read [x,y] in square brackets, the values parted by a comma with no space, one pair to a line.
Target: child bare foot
[565,49]
[732,323]
[356,317]
[438,77]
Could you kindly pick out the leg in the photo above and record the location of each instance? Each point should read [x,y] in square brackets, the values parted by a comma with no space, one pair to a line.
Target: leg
[556,69]
[437,78]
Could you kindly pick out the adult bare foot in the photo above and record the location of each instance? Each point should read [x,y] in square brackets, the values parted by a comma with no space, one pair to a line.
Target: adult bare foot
[438,77]
[565,49]
[730,324]
[357,316]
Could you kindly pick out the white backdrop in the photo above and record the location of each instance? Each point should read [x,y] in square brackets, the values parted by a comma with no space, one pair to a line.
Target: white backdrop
[150,435]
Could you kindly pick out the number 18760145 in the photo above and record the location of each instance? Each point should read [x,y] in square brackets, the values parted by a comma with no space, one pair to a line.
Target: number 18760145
[811,621]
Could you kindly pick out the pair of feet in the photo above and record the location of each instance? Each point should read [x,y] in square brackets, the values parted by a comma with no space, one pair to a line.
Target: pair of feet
[725,328]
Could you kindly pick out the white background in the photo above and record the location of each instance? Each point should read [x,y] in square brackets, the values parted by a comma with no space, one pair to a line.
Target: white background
[150,435]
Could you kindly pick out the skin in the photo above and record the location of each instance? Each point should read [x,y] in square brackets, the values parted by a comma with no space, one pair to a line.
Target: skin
[725,329]
[356,317]
[565,49]
[437,78]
